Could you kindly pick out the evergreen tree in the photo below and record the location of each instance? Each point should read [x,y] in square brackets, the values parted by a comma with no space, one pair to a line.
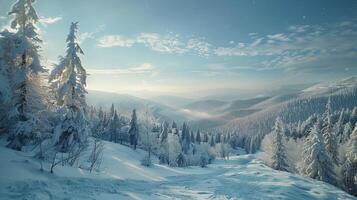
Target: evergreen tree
[198,137]
[68,79]
[329,136]
[339,127]
[212,143]
[112,110]
[279,155]
[317,164]
[164,133]
[27,98]
[218,138]
[114,128]
[134,130]
[350,165]
[185,138]
[347,130]
[192,139]
[205,137]
[353,118]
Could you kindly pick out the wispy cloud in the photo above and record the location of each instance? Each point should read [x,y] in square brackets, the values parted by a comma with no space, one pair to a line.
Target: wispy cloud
[199,45]
[90,35]
[169,43]
[49,20]
[145,68]
[115,40]
[302,47]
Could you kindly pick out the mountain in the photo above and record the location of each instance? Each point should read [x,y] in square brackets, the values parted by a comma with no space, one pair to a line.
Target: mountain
[295,107]
[172,101]
[126,103]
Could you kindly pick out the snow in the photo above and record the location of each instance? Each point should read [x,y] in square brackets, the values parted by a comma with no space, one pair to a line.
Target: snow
[122,177]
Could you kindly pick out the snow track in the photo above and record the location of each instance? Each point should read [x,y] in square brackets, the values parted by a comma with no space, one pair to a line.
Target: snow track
[122,177]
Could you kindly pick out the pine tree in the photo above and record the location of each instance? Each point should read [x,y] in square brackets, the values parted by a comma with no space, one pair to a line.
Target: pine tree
[350,165]
[68,79]
[317,164]
[112,110]
[114,128]
[329,136]
[192,139]
[212,143]
[339,127]
[164,133]
[279,155]
[185,138]
[27,99]
[205,137]
[134,130]
[353,118]
[347,130]
[198,137]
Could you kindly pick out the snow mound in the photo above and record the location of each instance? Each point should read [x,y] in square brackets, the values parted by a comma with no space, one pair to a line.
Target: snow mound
[122,177]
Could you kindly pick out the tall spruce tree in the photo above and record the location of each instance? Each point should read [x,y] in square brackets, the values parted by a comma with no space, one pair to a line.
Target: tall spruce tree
[317,163]
[26,83]
[68,79]
[198,137]
[279,160]
[328,134]
[350,165]
[134,130]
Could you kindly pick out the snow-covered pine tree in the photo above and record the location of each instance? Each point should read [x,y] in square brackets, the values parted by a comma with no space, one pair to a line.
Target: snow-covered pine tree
[198,137]
[192,137]
[7,47]
[114,128]
[205,137]
[350,165]
[26,82]
[185,139]
[279,159]
[329,136]
[339,126]
[347,130]
[317,163]
[353,118]
[111,111]
[68,79]
[212,143]
[134,130]
[164,133]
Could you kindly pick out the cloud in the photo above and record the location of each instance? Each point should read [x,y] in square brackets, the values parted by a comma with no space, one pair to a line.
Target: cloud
[145,68]
[199,45]
[278,37]
[166,44]
[90,35]
[302,48]
[115,40]
[49,20]
[169,43]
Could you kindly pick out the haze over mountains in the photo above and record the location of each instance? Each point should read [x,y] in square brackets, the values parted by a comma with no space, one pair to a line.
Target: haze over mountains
[212,111]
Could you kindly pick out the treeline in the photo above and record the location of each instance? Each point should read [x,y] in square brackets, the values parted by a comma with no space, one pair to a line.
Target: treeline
[248,132]
[323,147]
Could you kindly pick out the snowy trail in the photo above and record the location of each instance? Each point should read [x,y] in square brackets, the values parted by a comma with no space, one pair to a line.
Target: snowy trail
[242,177]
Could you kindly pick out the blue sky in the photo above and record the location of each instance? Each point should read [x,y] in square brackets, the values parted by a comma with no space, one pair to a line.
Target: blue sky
[187,47]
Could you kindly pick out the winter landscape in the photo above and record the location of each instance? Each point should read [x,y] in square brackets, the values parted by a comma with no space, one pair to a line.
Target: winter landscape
[129,99]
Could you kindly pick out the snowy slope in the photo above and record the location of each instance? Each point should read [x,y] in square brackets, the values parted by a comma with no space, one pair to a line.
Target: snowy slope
[122,177]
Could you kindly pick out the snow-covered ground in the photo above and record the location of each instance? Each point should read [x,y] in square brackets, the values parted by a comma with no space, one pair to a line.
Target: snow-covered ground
[122,177]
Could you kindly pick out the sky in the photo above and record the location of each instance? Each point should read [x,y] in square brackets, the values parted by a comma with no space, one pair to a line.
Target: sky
[187,47]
